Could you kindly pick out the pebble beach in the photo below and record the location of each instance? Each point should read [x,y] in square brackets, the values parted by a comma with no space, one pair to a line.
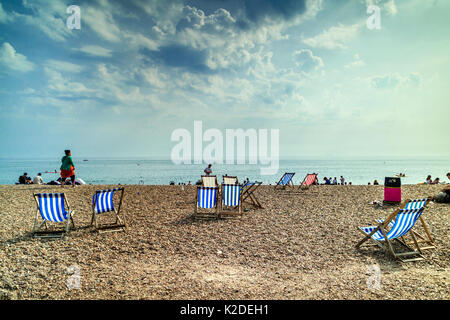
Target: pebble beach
[301,245]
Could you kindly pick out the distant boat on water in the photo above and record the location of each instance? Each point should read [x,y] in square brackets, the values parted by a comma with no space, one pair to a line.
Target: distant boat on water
[85,160]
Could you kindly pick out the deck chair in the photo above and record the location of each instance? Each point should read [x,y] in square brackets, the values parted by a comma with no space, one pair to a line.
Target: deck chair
[248,193]
[405,219]
[206,203]
[286,181]
[230,180]
[210,181]
[231,204]
[309,179]
[51,208]
[426,239]
[102,202]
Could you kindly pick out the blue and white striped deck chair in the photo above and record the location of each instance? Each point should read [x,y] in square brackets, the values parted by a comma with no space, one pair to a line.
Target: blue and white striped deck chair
[51,208]
[231,203]
[206,202]
[385,232]
[286,180]
[427,238]
[103,202]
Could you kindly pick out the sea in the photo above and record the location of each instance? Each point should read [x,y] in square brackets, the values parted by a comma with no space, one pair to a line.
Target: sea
[162,172]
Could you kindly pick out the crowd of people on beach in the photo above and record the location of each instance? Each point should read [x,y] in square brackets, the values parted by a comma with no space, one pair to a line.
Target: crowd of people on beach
[25,179]
[429,180]
[67,171]
[334,181]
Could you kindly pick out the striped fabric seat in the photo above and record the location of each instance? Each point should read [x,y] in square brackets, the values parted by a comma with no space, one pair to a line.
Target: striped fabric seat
[206,197]
[286,178]
[209,181]
[416,204]
[231,195]
[412,204]
[51,206]
[102,201]
[230,180]
[310,179]
[406,219]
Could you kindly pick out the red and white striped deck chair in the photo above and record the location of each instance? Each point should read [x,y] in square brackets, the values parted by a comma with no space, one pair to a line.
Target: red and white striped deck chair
[309,180]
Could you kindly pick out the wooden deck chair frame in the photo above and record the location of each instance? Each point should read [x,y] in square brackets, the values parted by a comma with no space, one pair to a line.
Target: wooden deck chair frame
[248,194]
[230,211]
[426,238]
[212,214]
[289,184]
[60,233]
[387,244]
[235,178]
[118,225]
[306,186]
[215,179]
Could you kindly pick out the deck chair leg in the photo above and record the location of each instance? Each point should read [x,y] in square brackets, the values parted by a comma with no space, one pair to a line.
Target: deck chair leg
[426,230]
[415,242]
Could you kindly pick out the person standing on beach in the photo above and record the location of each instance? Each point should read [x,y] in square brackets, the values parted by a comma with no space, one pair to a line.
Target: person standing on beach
[67,168]
[208,170]
[342,180]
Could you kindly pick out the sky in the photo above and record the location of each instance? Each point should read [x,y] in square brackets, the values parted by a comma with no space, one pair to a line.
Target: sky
[138,70]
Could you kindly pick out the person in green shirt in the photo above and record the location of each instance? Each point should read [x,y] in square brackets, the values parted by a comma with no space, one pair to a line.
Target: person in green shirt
[67,168]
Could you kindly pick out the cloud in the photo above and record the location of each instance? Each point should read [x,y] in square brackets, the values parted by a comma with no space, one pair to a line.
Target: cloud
[48,16]
[180,56]
[94,50]
[387,6]
[391,81]
[356,63]
[334,38]
[12,60]
[264,10]
[5,17]
[64,66]
[306,60]
[101,22]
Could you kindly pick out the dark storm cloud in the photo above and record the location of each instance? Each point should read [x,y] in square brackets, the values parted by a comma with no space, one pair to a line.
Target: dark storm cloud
[180,56]
[254,11]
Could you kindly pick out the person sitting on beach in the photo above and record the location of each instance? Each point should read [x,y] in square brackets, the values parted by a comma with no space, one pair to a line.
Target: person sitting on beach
[429,181]
[38,179]
[448,176]
[335,181]
[375,182]
[327,181]
[436,181]
[208,170]
[24,179]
